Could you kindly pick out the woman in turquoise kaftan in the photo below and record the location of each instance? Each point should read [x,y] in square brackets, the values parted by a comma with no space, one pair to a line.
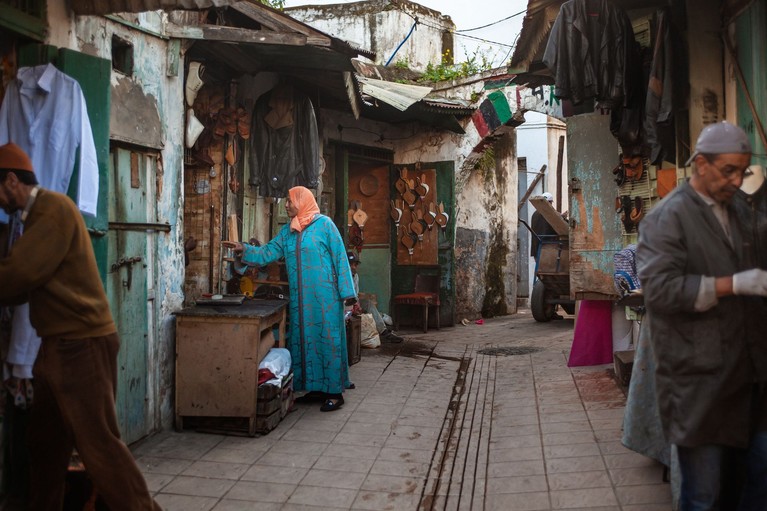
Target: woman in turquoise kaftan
[320,282]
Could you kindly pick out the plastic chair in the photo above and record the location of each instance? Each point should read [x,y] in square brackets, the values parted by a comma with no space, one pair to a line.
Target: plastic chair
[425,295]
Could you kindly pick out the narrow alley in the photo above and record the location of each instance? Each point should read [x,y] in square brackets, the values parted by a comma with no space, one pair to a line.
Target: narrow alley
[476,417]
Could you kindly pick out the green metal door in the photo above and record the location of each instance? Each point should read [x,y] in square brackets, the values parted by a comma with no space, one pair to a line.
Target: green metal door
[130,282]
[403,276]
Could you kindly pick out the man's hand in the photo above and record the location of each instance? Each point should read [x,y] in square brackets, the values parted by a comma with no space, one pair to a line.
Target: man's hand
[236,246]
[750,282]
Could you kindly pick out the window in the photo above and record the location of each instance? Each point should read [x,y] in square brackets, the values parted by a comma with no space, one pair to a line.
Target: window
[122,56]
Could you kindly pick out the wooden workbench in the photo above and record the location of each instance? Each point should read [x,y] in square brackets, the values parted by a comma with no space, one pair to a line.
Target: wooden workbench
[218,349]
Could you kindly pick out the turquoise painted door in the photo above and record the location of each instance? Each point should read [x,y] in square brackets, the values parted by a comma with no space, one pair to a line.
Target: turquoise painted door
[130,282]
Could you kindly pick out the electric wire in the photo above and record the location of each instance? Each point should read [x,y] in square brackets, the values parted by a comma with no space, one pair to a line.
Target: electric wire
[494,22]
[454,32]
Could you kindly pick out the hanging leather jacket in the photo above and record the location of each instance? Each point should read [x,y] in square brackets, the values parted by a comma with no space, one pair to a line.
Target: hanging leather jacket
[591,52]
[285,144]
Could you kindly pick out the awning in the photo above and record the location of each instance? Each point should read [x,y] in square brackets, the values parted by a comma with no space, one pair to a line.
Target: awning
[399,95]
[101,7]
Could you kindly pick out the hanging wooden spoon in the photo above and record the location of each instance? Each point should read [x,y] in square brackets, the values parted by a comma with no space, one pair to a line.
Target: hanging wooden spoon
[427,217]
[442,217]
[410,196]
[408,241]
[421,188]
[401,183]
[417,227]
[395,213]
[360,217]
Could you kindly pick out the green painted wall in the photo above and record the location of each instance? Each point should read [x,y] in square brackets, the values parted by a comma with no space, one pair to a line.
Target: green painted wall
[403,276]
[374,275]
[752,55]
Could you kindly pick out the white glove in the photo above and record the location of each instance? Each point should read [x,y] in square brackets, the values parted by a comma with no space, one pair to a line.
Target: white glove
[750,282]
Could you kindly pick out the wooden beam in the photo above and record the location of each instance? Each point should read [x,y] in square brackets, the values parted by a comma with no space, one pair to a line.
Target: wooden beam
[235,35]
[281,23]
[530,188]
[351,92]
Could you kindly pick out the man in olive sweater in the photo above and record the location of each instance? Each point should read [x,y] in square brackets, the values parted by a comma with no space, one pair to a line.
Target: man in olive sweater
[52,266]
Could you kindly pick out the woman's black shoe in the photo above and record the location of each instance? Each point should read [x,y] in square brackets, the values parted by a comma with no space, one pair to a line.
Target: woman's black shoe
[332,404]
[314,396]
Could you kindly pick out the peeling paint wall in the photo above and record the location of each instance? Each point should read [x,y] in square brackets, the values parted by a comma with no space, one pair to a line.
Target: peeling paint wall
[486,236]
[381,25]
[161,99]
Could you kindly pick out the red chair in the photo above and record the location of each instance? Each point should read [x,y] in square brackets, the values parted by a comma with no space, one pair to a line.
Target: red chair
[425,295]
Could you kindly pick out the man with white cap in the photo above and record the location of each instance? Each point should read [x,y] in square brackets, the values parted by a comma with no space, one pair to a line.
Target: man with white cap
[698,280]
[52,266]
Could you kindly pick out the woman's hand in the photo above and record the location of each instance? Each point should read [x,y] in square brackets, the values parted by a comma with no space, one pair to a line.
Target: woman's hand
[236,246]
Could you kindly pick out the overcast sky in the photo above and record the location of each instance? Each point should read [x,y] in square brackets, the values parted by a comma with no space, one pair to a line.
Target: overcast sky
[469,14]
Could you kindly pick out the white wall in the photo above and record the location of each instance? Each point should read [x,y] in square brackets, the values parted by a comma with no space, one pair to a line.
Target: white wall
[374,26]
[538,142]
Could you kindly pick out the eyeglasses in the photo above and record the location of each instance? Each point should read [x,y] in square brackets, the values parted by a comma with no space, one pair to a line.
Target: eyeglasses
[730,171]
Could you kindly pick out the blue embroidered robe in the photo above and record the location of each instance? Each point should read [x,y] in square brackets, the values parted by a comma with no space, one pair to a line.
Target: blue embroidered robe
[320,280]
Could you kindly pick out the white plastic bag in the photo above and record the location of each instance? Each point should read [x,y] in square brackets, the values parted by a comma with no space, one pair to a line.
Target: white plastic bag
[277,361]
[368,332]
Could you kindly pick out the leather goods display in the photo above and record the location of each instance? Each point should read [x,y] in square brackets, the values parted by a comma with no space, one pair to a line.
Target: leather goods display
[396,213]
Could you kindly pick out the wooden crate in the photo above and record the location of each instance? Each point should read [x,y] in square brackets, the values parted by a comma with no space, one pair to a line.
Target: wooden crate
[354,339]
[274,403]
[624,364]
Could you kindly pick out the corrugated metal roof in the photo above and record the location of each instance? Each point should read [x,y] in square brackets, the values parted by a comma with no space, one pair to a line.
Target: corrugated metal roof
[399,95]
[449,105]
[101,7]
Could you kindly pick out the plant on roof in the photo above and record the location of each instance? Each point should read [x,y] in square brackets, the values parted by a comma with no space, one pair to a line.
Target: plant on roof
[402,64]
[277,4]
[447,70]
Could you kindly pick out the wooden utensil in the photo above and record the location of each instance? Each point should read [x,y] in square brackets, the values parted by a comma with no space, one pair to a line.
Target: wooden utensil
[442,217]
[360,217]
[410,196]
[401,183]
[427,218]
[417,227]
[408,241]
[396,214]
[421,188]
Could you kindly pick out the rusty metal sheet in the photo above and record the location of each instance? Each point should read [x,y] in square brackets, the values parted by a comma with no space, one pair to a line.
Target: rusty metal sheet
[595,233]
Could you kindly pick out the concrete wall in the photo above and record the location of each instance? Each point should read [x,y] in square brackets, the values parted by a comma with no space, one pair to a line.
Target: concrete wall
[381,25]
[163,93]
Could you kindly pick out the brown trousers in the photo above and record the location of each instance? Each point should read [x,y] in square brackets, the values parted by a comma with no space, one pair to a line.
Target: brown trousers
[74,406]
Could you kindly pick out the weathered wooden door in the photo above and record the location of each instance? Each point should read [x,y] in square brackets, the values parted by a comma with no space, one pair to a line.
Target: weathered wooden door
[130,282]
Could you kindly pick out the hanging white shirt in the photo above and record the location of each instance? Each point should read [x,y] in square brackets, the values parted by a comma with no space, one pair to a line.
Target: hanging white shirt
[44,113]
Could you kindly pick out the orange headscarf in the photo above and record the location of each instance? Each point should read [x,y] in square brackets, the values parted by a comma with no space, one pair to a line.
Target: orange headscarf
[303,200]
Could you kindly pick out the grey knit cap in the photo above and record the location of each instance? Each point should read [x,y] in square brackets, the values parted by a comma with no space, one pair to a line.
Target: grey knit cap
[721,138]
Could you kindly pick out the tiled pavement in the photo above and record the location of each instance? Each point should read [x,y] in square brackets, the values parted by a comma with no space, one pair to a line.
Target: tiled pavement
[434,424]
